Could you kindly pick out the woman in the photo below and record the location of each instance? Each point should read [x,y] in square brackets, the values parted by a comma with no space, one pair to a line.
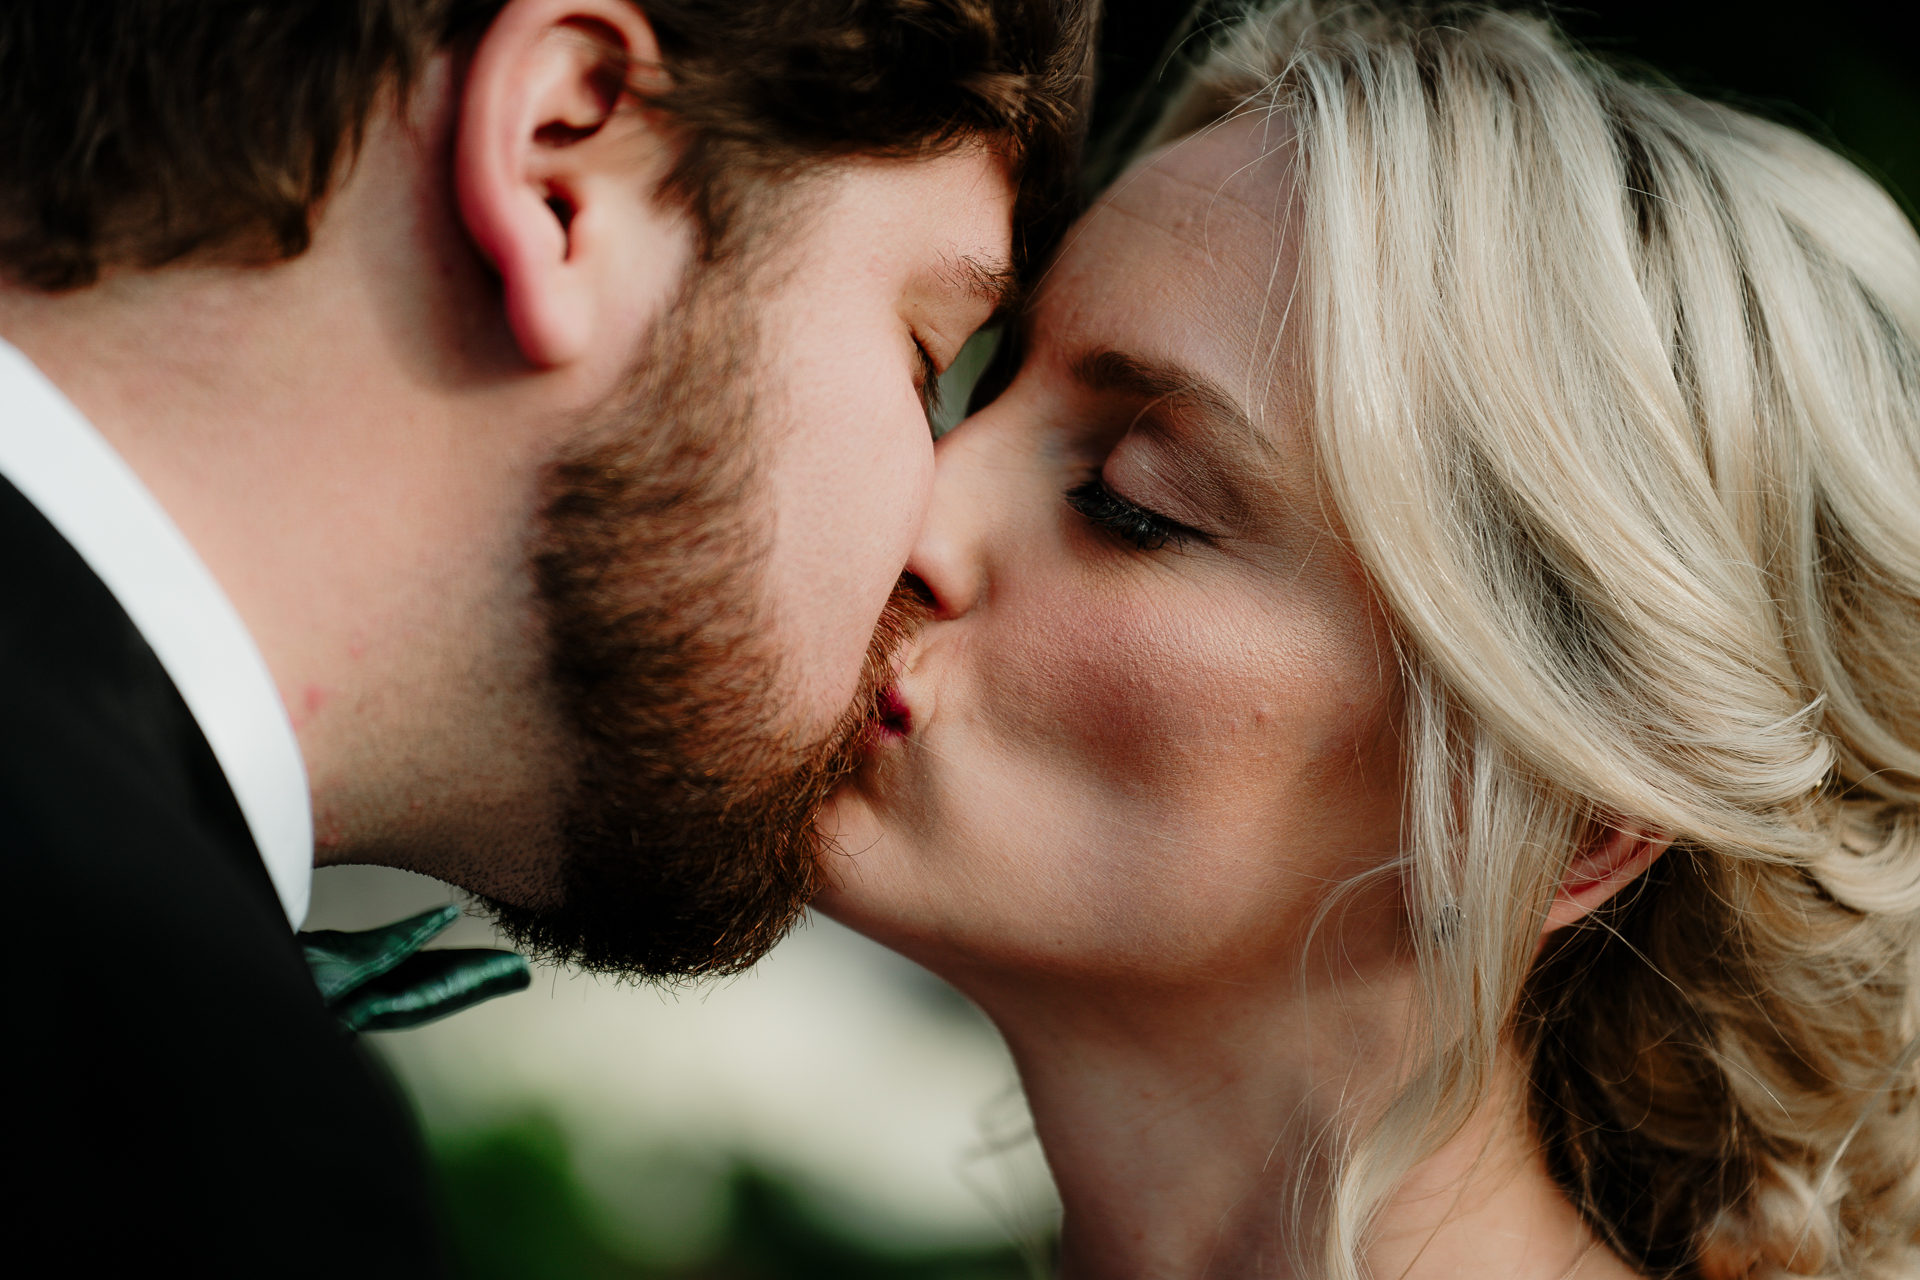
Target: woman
[1437,796]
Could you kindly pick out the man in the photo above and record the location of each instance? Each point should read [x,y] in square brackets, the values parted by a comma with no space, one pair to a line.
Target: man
[476,436]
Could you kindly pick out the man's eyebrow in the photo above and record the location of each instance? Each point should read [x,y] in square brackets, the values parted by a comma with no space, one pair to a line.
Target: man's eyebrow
[992,281]
[1116,371]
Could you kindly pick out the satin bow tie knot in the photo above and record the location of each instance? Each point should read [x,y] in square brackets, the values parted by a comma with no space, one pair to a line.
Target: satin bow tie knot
[380,979]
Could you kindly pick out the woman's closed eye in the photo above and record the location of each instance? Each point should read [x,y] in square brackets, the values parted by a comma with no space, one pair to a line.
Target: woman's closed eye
[1147,530]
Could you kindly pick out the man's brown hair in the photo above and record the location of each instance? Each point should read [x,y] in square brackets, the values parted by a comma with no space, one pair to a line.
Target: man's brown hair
[138,132]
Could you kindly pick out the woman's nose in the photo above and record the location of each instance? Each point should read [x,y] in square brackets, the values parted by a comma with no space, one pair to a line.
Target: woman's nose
[951,554]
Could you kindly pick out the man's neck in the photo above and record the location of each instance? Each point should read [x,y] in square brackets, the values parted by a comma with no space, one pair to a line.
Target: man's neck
[1190,1134]
[311,427]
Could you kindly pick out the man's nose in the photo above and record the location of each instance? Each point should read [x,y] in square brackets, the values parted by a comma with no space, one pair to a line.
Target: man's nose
[951,556]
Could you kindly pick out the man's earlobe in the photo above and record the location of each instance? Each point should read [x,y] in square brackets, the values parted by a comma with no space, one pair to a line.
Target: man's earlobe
[544,83]
[1611,860]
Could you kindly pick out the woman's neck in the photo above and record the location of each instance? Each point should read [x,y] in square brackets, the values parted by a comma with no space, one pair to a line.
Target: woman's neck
[1189,1131]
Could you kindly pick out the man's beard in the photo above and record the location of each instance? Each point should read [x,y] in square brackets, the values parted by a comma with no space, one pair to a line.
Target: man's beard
[690,844]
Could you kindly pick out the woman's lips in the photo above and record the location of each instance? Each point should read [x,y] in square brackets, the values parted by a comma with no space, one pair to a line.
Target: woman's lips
[895,718]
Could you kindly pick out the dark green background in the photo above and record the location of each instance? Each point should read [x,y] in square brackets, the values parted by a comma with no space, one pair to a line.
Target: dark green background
[1848,73]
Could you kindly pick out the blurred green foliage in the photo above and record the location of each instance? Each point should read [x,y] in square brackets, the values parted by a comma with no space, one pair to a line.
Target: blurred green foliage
[516,1209]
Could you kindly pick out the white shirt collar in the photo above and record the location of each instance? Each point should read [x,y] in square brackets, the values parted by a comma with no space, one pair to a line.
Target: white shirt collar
[66,468]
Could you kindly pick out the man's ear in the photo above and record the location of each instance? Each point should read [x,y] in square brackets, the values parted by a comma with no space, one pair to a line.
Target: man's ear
[531,150]
[1613,858]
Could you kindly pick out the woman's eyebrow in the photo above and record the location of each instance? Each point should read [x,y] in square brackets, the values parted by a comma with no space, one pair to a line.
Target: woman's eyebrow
[1206,442]
[1116,371]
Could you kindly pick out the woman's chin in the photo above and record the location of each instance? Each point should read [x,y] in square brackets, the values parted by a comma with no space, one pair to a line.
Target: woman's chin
[853,838]
[847,821]
[849,899]
[863,888]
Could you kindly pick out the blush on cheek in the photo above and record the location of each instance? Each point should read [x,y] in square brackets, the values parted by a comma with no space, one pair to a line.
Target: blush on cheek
[1139,699]
[1190,708]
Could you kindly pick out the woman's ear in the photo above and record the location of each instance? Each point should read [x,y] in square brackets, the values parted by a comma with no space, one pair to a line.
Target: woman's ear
[530,150]
[1613,858]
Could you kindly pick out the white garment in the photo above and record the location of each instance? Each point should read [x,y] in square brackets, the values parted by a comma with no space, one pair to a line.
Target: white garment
[66,468]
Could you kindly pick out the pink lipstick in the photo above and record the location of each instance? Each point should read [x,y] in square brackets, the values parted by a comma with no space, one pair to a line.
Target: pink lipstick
[894,718]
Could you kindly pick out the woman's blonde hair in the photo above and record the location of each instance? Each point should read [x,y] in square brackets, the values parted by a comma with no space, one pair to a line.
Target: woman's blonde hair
[1618,395]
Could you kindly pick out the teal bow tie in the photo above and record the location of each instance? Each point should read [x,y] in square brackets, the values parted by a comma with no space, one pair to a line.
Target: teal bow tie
[380,979]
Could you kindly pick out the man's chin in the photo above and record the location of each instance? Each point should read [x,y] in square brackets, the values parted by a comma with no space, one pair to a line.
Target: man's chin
[699,865]
[663,928]
[648,946]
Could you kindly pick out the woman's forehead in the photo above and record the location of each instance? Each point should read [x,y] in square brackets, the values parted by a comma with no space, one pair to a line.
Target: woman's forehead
[1243,163]
[1188,257]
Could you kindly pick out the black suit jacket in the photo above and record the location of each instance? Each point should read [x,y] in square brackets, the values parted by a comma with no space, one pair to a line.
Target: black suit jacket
[181,1099]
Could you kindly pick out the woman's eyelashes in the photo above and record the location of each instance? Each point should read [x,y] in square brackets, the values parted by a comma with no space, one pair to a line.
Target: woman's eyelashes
[1147,530]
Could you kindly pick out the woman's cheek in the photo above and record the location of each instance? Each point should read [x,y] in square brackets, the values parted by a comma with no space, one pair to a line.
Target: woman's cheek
[1141,700]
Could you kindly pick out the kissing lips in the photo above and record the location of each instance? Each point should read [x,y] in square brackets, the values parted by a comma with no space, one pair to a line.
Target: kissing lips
[888,716]
[893,718]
